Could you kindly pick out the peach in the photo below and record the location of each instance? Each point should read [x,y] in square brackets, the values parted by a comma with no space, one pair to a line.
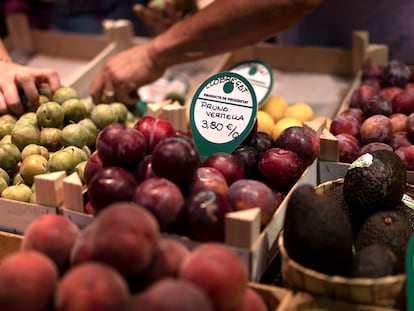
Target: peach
[219,271]
[171,294]
[91,286]
[82,247]
[166,263]
[27,281]
[251,301]
[125,235]
[53,235]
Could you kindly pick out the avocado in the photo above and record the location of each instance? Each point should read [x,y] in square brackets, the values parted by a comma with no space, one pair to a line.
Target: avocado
[337,194]
[373,261]
[388,228]
[374,182]
[317,233]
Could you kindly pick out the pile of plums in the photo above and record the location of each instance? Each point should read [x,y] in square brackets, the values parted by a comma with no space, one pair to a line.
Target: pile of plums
[380,114]
[154,165]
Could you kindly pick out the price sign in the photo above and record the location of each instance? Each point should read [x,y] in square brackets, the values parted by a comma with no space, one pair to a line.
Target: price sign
[260,76]
[222,113]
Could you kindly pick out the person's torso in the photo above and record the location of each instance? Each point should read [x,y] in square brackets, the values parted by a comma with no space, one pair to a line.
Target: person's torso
[333,22]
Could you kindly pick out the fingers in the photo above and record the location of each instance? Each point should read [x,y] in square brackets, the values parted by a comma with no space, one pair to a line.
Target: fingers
[97,87]
[139,10]
[3,105]
[108,90]
[51,77]
[129,98]
[10,98]
[171,11]
[27,83]
[18,80]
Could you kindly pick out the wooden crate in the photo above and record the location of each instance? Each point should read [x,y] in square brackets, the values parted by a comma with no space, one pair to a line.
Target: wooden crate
[243,233]
[16,216]
[242,229]
[329,166]
[76,57]
[308,73]
[258,248]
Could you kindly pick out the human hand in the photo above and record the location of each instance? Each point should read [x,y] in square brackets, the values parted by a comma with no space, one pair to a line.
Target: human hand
[15,77]
[122,74]
[159,20]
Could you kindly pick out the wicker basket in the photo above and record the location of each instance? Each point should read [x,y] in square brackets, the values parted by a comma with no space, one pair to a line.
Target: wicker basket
[9,243]
[386,291]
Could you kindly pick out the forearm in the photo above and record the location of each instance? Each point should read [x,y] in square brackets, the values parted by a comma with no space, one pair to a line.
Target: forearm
[226,25]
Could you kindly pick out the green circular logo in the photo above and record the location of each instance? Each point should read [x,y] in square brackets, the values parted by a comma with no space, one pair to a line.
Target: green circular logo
[253,70]
[228,87]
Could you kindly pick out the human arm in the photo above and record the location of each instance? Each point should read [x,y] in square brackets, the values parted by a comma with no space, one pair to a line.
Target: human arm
[15,77]
[222,26]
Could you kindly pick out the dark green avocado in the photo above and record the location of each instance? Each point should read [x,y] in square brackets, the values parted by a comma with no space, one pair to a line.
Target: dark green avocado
[338,195]
[317,232]
[374,182]
[388,228]
[374,261]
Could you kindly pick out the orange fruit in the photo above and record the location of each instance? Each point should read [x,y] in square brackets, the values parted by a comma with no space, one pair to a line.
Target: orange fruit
[300,111]
[265,122]
[275,106]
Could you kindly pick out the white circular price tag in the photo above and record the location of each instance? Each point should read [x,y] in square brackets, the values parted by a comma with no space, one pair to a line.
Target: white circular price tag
[260,76]
[222,113]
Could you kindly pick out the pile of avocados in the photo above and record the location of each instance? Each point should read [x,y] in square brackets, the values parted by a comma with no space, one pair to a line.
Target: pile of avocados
[360,229]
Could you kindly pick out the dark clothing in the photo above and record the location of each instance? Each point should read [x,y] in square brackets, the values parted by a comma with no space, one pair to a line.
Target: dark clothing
[388,22]
[82,16]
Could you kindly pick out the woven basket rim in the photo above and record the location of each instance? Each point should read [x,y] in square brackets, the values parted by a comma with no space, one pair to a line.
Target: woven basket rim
[336,279]
[338,181]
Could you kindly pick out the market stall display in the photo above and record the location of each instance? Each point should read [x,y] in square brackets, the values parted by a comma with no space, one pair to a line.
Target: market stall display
[251,229]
